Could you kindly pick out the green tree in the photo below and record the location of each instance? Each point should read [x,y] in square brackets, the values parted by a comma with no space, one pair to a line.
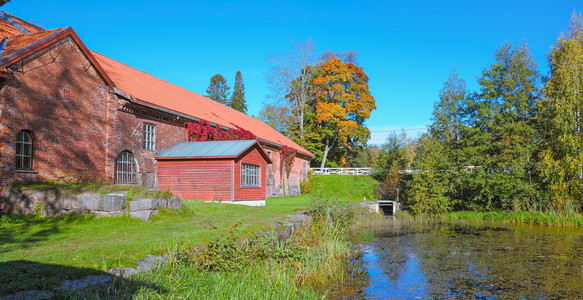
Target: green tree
[238,98]
[342,102]
[428,188]
[391,159]
[218,89]
[561,120]
[500,140]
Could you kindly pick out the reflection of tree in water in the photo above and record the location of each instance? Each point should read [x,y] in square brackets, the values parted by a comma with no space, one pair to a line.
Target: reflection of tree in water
[471,262]
[392,254]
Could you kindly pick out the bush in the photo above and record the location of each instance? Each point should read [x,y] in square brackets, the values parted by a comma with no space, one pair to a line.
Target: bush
[306,185]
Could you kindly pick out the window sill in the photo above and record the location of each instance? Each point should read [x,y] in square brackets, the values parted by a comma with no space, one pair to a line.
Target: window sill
[250,187]
[26,171]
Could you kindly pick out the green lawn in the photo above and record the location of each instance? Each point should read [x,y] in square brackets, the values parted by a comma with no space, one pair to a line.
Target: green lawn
[40,252]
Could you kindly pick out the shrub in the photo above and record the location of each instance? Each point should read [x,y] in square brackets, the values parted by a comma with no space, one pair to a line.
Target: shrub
[306,185]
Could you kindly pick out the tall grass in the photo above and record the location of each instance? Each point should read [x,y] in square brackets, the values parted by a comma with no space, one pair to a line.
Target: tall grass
[306,265]
[523,217]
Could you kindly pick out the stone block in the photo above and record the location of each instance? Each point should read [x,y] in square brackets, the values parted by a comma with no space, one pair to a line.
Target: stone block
[162,203]
[69,202]
[144,204]
[174,202]
[109,202]
[142,214]
[89,201]
[100,214]
[112,202]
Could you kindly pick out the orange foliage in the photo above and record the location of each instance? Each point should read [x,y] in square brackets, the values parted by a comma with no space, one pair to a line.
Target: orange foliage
[342,101]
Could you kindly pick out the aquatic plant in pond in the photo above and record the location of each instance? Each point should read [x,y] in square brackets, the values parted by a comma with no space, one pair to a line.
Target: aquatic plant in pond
[440,259]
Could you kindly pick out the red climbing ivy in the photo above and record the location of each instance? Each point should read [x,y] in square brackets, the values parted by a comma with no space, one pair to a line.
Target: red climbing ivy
[203,131]
[287,160]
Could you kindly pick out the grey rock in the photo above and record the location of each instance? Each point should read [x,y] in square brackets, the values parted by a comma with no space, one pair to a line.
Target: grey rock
[123,272]
[89,201]
[144,204]
[72,285]
[112,202]
[145,264]
[151,262]
[70,202]
[174,202]
[30,295]
[142,214]
[100,214]
[162,203]
[109,202]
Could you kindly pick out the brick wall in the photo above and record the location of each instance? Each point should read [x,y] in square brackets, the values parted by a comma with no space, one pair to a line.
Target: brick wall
[64,105]
[129,136]
[79,129]
[292,183]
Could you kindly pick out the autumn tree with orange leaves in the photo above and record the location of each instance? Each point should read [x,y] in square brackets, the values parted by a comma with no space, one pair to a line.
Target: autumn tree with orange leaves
[342,102]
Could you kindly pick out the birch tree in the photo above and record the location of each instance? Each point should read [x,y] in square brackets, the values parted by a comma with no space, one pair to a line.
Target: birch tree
[289,81]
[561,120]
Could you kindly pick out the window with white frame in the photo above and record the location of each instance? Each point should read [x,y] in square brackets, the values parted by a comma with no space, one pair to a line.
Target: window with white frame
[126,170]
[23,151]
[250,175]
[149,137]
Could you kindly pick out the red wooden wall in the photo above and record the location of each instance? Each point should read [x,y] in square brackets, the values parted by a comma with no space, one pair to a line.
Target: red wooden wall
[242,193]
[212,179]
[197,179]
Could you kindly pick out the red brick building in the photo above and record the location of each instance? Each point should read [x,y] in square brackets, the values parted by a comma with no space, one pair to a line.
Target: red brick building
[67,111]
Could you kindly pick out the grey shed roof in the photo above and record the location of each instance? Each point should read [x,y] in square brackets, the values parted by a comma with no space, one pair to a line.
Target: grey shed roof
[207,149]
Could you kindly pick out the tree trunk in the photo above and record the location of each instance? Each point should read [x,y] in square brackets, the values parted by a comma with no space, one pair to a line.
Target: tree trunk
[323,164]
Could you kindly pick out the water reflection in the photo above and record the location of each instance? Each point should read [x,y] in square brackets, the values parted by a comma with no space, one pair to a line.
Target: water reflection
[470,261]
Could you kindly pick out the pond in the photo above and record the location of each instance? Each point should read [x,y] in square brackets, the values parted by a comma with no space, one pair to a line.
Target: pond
[445,260]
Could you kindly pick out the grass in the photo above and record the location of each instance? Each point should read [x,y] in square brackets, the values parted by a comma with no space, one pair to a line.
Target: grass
[346,188]
[523,217]
[38,252]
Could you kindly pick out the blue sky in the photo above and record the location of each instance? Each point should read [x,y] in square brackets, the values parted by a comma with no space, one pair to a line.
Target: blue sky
[407,48]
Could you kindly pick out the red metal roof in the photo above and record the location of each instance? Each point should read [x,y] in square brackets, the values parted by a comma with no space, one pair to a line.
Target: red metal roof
[152,90]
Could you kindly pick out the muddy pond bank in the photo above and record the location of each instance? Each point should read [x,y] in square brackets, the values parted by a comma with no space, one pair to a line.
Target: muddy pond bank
[469,260]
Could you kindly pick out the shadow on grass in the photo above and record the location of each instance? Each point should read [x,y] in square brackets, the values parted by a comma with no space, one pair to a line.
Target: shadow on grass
[27,230]
[22,275]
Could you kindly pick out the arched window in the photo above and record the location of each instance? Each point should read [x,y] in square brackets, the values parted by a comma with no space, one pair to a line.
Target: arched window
[24,151]
[126,170]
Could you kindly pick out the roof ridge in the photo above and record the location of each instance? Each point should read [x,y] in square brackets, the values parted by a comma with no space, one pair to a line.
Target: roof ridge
[177,148]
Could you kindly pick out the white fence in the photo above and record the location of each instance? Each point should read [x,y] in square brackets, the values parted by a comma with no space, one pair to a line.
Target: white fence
[342,171]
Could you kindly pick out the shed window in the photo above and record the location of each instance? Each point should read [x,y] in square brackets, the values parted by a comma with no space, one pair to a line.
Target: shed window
[250,175]
[149,137]
[23,151]
[125,168]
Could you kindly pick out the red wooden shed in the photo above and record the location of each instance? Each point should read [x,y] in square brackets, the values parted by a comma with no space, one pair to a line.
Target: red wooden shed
[233,171]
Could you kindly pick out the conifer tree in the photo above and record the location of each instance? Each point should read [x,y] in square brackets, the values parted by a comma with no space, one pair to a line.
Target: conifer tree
[218,89]
[238,99]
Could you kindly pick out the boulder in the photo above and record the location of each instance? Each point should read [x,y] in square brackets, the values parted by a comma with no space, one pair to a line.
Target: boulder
[162,203]
[142,214]
[109,202]
[144,204]
[174,202]
[69,202]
